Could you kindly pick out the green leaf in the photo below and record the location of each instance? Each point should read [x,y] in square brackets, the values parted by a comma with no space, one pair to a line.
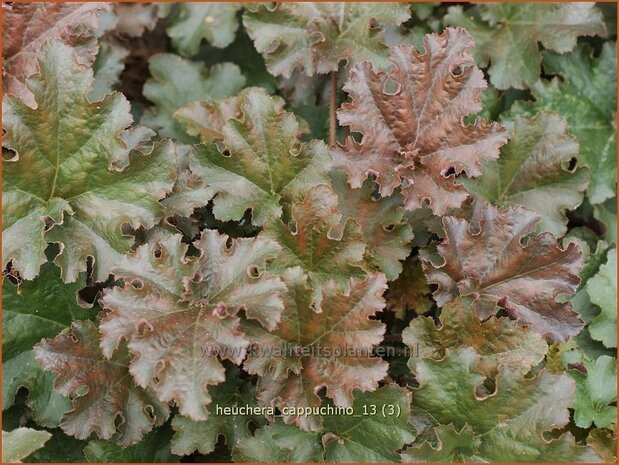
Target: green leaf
[176,82]
[585,95]
[59,449]
[507,35]
[376,430]
[153,448]
[202,436]
[375,437]
[263,165]
[510,418]
[381,220]
[602,290]
[215,22]
[533,172]
[499,342]
[595,390]
[69,180]
[450,445]
[32,311]
[279,443]
[101,389]
[107,68]
[21,442]
[313,349]
[317,242]
[315,37]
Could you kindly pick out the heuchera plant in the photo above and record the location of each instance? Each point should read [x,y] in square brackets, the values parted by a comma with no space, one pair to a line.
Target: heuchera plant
[316,232]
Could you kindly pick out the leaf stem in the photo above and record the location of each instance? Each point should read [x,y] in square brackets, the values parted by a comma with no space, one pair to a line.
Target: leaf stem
[332,105]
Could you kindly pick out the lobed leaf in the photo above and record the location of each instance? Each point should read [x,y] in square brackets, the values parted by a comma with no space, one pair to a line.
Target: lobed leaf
[190,435]
[194,22]
[104,397]
[317,241]
[533,171]
[499,342]
[31,311]
[582,94]
[176,82]
[602,290]
[509,419]
[596,392]
[315,37]
[28,26]
[381,220]
[507,34]
[179,314]
[487,258]
[74,177]
[311,349]
[263,166]
[412,130]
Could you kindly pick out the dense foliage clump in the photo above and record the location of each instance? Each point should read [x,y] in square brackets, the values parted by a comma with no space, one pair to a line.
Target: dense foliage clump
[341,232]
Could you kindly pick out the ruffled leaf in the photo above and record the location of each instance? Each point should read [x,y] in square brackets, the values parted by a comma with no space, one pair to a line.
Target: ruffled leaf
[596,391]
[509,419]
[584,95]
[499,342]
[312,349]
[175,82]
[413,134]
[602,290]
[318,242]
[28,26]
[533,171]
[194,22]
[488,259]
[507,35]
[314,37]
[381,220]
[32,311]
[21,442]
[263,166]
[74,178]
[106,401]
[202,436]
[179,314]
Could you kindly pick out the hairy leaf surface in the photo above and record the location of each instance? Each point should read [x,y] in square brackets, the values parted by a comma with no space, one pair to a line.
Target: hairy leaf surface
[507,34]
[412,128]
[315,37]
[74,178]
[488,259]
